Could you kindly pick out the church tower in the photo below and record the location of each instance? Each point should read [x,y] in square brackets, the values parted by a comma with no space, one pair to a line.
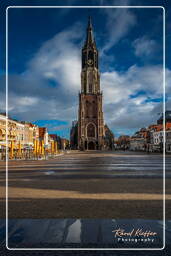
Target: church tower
[90,114]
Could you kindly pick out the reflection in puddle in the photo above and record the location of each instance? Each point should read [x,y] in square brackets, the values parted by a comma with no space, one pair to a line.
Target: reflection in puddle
[49,172]
[85,233]
[74,233]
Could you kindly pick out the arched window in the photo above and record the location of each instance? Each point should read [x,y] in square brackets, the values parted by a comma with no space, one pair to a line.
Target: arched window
[91,130]
[90,82]
[90,87]
[90,55]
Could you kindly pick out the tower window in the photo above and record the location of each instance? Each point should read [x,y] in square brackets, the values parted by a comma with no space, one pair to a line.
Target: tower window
[90,87]
[90,55]
[90,82]
[90,130]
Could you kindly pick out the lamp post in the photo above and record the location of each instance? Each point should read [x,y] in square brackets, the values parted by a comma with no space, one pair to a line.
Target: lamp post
[42,148]
[19,149]
[52,147]
[12,150]
[35,148]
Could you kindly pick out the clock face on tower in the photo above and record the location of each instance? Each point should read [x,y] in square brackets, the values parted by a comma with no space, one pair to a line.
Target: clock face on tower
[90,62]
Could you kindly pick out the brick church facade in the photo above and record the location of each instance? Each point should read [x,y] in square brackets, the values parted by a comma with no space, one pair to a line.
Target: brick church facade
[90,114]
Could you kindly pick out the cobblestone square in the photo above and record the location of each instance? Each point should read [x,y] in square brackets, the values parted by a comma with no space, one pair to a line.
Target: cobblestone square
[88,184]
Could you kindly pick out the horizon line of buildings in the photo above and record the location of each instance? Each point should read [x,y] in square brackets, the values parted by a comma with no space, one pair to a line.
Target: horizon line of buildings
[149,139]
[26,139]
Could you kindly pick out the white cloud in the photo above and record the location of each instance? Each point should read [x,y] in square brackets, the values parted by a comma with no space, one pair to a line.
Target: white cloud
[119,86]
[59,61]
[27,101]
[144,47]
[127,96]
[119,22]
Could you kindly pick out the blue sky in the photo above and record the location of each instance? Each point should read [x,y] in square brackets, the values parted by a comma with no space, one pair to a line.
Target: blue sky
[45,56]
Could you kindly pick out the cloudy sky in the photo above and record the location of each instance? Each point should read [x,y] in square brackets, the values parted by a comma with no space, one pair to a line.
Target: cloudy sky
[45,65]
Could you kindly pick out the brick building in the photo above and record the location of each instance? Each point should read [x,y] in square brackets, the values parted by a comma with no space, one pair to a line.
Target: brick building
[90,114]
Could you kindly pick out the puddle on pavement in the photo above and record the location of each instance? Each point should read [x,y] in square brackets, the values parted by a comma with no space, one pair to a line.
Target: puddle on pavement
[49,173]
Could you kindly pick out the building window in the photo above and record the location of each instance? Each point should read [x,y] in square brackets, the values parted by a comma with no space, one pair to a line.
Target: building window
[90,82]
[90,130]
[90,87]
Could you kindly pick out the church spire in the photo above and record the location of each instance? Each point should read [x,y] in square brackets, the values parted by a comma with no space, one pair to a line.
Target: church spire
[90,38]
[89,22]
[89,50]
[90,115]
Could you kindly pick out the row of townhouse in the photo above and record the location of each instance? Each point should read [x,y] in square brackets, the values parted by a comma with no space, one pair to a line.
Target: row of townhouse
[157,137]
[24,139]
[140,140]
[151,139]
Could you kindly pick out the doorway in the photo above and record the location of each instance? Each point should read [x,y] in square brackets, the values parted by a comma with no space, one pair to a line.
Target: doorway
[91,145]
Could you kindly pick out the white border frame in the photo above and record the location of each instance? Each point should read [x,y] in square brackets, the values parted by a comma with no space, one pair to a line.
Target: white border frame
[164,84]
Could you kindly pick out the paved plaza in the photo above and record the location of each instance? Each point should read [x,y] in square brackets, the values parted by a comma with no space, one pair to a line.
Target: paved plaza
[119,185]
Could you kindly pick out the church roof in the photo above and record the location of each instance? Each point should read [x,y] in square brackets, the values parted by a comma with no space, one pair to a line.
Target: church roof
[90,41]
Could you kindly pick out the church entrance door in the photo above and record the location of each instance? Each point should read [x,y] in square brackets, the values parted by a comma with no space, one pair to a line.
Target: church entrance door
[85,145]
[91,145]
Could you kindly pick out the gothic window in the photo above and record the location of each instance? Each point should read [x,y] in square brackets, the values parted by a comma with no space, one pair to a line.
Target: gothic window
[90,82]
[90,130]
[95,59]
[90,87]
[90,55]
